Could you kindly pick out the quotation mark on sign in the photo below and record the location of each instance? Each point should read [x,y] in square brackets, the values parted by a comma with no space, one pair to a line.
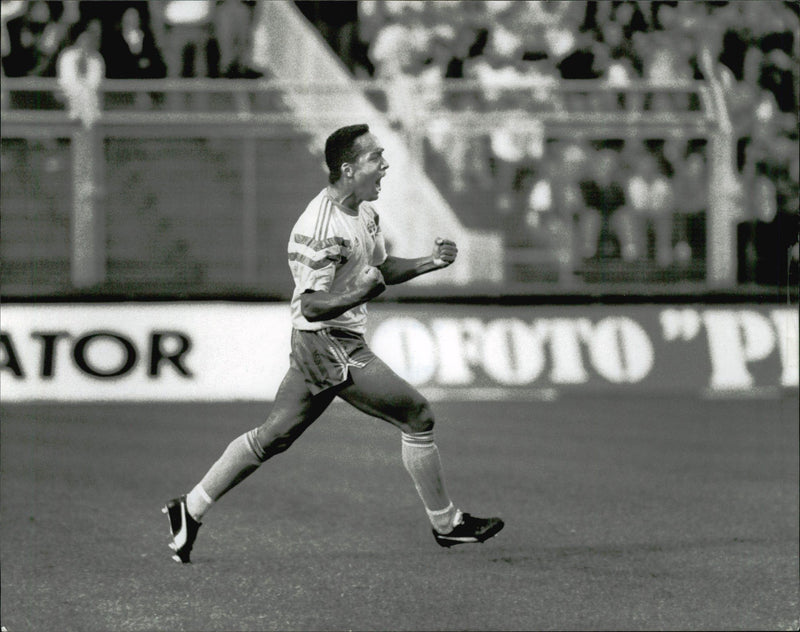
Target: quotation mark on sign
[680,324]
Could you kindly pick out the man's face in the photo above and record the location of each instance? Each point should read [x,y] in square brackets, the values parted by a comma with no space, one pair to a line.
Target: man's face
[368,168]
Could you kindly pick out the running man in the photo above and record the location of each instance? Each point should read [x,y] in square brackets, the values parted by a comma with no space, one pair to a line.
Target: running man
[338,260]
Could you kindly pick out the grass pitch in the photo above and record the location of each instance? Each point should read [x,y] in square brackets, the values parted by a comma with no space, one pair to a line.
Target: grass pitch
[621,513]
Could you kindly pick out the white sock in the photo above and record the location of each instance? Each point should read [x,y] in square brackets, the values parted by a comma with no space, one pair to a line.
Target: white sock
[445,520]
[198,502]
[237,462]
[421,460]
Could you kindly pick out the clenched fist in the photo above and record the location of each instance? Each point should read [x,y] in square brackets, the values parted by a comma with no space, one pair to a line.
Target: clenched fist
[371,281]
[444,252]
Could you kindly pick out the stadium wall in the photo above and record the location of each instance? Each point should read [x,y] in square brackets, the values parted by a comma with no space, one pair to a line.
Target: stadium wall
[239,351]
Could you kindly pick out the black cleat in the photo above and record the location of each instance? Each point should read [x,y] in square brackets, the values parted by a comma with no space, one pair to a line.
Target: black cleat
[182,527]
[470,530]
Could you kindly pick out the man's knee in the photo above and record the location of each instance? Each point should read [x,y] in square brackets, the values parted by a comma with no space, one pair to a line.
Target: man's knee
[420,417]
[272,442]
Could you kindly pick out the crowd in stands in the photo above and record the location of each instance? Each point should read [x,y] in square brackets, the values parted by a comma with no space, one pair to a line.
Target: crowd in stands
[136,39]
[622,191]
[628,199]
[634,200]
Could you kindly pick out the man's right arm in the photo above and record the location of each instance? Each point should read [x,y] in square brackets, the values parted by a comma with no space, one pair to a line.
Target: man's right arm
[320,305]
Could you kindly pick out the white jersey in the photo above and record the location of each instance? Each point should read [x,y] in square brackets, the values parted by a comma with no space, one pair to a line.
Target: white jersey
[329,248]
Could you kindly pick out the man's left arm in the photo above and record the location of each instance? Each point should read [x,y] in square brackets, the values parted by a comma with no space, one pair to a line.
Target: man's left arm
[397,270]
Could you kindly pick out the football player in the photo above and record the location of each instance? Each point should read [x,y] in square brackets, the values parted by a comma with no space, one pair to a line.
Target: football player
[339,262]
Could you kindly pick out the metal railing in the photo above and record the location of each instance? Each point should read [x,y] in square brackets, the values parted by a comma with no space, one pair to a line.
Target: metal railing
[35,107]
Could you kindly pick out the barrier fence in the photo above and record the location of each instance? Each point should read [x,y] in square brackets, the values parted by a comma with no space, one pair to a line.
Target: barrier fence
[188,188]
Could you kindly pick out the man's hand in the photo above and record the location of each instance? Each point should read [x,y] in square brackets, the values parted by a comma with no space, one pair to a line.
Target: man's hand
[444,252]
[321,305]
[371,282]
[398,270]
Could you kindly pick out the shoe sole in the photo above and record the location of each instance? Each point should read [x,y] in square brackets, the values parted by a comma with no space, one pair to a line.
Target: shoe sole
[447,543]
[176,557]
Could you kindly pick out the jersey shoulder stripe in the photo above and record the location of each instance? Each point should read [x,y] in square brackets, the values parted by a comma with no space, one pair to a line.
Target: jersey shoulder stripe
[323,219]
[314,264]
[321,244]
[316,250]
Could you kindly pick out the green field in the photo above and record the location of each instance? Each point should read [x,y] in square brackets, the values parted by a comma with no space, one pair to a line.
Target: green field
[622,514]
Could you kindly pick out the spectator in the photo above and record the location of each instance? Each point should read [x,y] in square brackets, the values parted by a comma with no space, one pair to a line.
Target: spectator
[573,161]
[338,24]
[37,17]
[614,73]
[769,223]
[620,46]
[399,45]
[440,130]
[778,77]
[232,26]
[31,39]
[11,11]
[471,36]
[691,205]
[372,18]
[541,199]
[564,32]
[81,69]
[577,59]
[131,49]
[53,39]
[497,71]
[665,66]
[651,203]
[546,221]
[621,64]
[430,80]
[757,235]
[400,55]
[743,94]
[397,55]
[183,29]
[434,68]
[604,224]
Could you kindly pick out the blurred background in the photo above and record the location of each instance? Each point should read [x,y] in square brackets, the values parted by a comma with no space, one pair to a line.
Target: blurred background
[573,148]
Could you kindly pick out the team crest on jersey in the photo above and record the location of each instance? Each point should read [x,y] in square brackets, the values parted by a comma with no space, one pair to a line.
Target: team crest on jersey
[372,228]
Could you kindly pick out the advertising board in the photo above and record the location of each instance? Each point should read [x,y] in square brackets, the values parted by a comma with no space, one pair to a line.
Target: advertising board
[229,351]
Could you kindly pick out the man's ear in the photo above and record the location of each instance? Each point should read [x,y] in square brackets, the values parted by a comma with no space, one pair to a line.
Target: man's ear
[347,169]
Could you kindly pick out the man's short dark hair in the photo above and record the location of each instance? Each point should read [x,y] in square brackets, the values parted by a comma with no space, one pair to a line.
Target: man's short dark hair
[340,148]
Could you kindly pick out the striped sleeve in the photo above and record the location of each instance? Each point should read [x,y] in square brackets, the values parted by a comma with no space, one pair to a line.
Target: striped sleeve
[313,259]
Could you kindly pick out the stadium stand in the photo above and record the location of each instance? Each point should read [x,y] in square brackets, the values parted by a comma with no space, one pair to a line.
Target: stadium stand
[618,43]
[511,108]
